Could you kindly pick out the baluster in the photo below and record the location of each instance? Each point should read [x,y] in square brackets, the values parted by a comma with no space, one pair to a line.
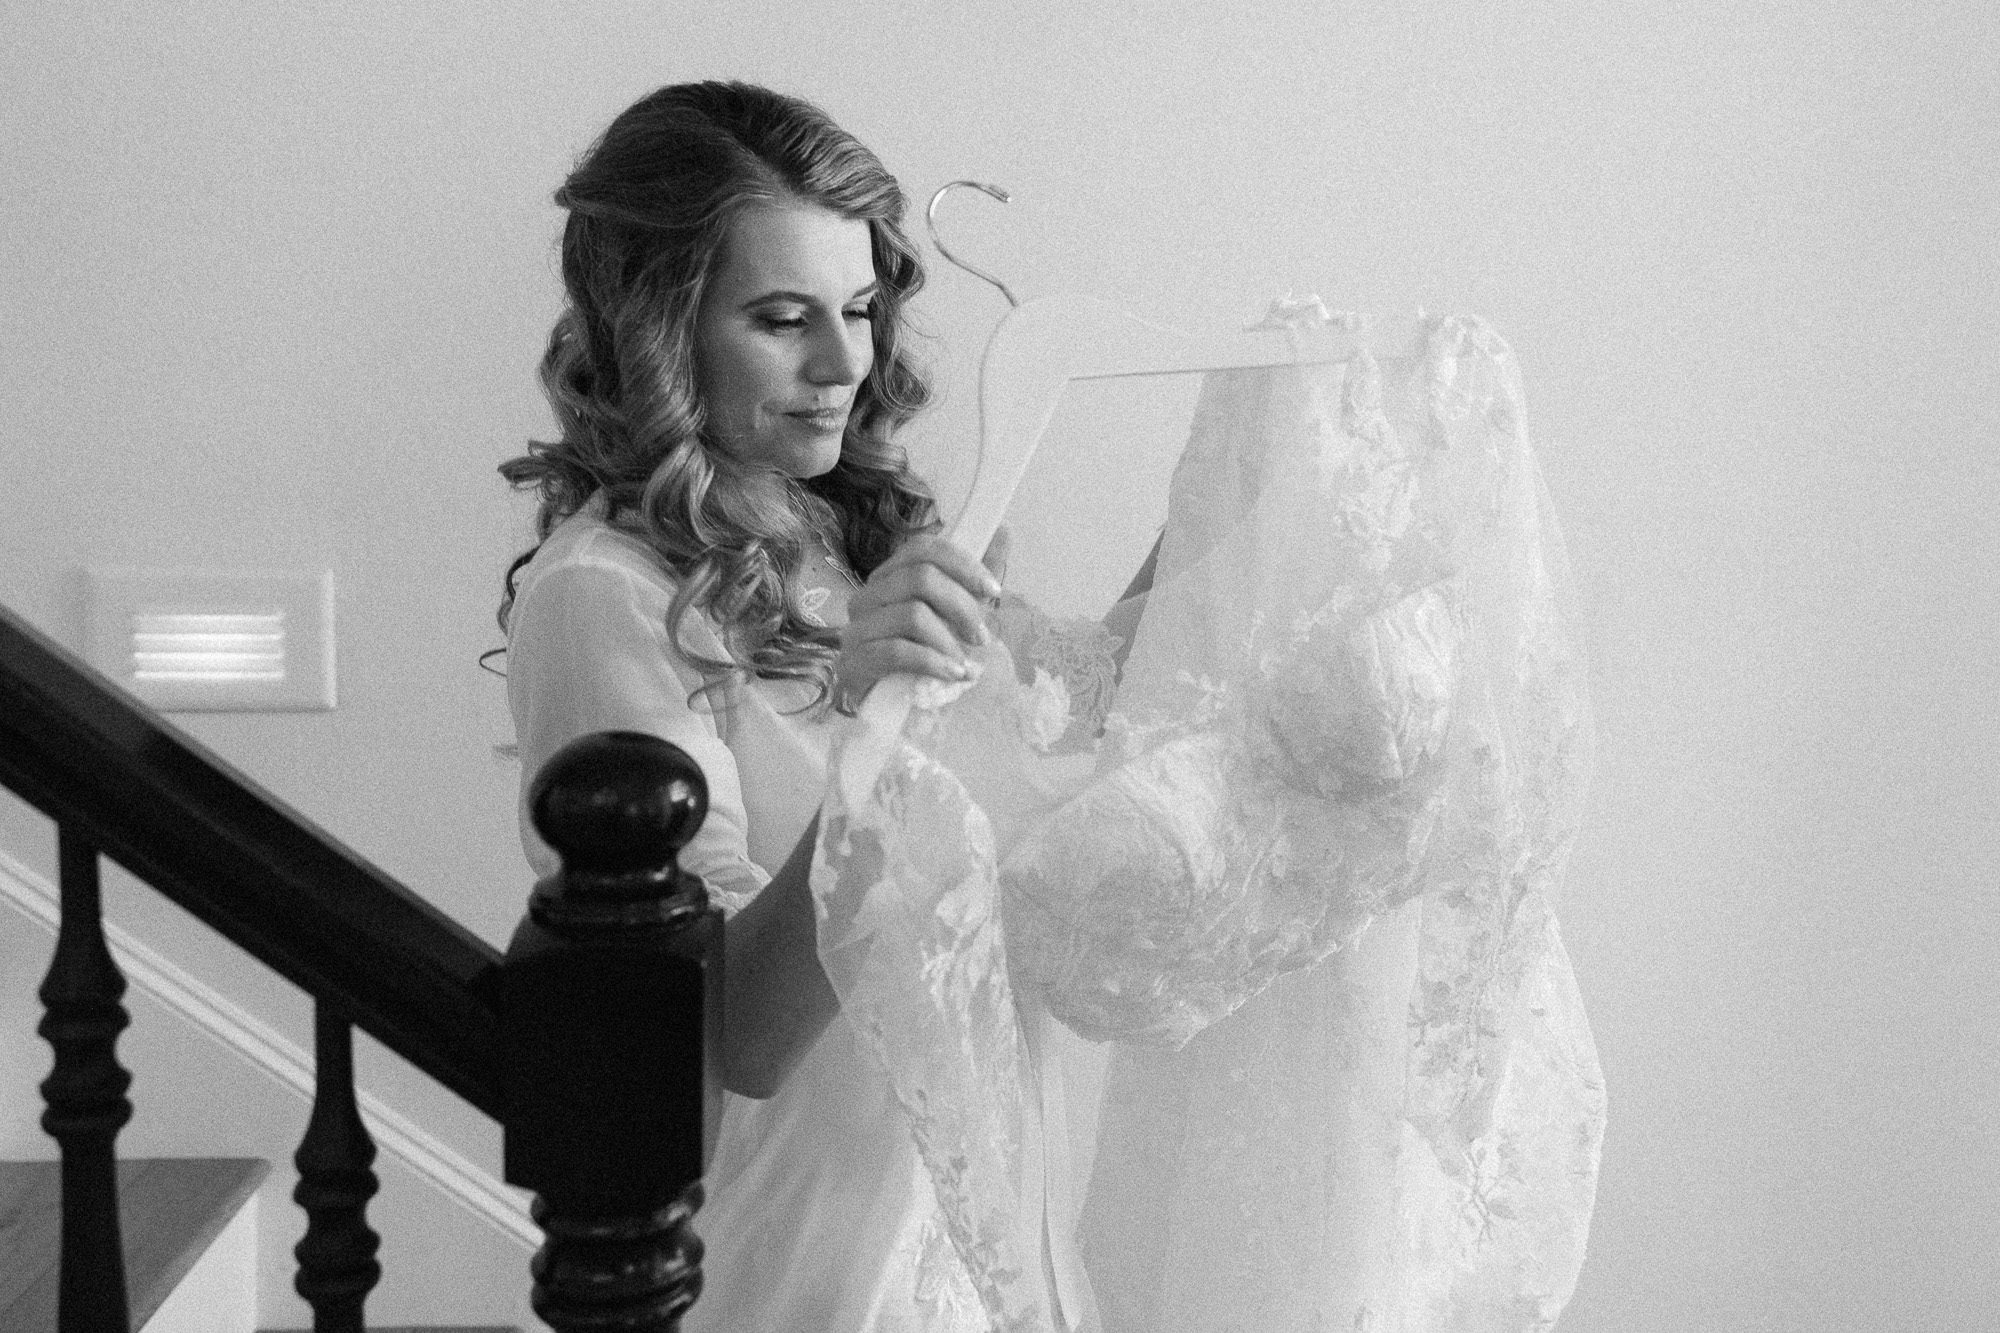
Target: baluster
[86,1096]
[612,1017]
[337,1267]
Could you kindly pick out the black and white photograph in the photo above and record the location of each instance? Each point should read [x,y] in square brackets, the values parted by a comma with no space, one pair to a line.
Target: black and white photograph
[923,666]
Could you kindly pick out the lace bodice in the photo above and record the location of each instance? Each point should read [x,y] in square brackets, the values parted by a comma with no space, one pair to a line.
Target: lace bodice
[1351,706]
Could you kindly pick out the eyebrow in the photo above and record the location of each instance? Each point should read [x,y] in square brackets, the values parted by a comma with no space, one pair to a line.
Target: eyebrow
[803,298]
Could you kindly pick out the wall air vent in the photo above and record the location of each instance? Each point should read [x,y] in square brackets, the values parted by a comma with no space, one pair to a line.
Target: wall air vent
[208,646]
[188,641]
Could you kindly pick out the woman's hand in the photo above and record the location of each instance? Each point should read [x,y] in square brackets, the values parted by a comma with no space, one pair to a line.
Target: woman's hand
[919,612]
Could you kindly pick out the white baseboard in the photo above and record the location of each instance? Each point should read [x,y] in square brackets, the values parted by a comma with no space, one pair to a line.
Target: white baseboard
[271,1052]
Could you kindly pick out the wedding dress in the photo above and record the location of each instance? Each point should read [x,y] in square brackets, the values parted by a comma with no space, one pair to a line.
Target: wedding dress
[1230,996]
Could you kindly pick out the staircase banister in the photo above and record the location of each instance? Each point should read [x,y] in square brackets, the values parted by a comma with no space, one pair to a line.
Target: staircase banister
[264,876]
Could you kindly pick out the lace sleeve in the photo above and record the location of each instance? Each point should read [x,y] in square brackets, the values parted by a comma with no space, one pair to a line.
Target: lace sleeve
[1071,662]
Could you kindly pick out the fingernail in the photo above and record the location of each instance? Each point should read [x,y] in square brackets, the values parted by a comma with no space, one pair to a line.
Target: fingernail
[992,586]
[980,634]
[961,670]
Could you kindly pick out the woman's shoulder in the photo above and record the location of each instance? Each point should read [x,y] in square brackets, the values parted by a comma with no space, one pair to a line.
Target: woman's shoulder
[585,538]
[588,575]
[584,548]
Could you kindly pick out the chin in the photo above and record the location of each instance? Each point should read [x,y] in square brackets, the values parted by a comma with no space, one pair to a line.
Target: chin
[799,455]
[816,462]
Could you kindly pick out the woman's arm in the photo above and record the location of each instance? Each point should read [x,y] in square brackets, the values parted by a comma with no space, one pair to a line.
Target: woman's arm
[590,652]
[776,998]
[916,613]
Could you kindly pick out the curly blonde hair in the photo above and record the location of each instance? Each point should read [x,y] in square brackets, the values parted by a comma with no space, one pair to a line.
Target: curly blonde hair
[650,207]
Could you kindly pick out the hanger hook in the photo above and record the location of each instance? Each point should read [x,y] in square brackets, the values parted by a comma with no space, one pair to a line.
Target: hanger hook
[930,220]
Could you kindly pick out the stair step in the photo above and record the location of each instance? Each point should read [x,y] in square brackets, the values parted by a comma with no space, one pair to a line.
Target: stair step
[169,1210]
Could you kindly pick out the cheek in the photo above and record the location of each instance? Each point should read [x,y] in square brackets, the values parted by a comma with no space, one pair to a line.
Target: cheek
[734,384]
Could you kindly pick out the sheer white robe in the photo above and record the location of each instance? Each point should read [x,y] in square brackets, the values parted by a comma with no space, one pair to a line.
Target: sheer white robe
[819,1213]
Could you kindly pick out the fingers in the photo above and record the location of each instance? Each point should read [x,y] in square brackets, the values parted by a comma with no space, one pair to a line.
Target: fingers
[949,560]
[941,577]
[873,648]
[910,621]
[918,613]
[859,670]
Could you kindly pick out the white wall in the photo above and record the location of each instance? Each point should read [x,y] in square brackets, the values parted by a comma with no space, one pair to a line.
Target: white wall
[276,279]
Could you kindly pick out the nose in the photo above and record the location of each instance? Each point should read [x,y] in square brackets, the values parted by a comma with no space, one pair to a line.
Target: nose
[841,354]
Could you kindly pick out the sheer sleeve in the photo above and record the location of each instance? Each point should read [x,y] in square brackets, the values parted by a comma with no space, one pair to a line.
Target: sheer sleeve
[589,650]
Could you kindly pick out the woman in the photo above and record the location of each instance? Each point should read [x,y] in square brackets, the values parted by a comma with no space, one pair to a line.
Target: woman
[732,550]
[1353,722]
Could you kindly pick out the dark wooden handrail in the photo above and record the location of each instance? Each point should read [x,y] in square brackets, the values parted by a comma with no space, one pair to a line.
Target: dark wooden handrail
[592,1041]
[180,818]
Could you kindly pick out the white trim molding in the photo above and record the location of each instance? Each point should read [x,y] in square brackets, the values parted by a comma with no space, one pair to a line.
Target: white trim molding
[283,1060]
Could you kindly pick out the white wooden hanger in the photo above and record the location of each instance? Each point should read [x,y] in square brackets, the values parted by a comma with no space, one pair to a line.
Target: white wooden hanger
[1034,354]
[1040,347]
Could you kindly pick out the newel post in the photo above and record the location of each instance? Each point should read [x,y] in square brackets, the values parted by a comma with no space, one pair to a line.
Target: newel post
[612,994]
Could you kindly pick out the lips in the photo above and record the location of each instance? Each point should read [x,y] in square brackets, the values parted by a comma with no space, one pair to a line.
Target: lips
[821,418]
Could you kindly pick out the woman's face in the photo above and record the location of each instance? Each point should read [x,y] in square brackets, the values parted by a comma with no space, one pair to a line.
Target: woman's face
[783,337]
